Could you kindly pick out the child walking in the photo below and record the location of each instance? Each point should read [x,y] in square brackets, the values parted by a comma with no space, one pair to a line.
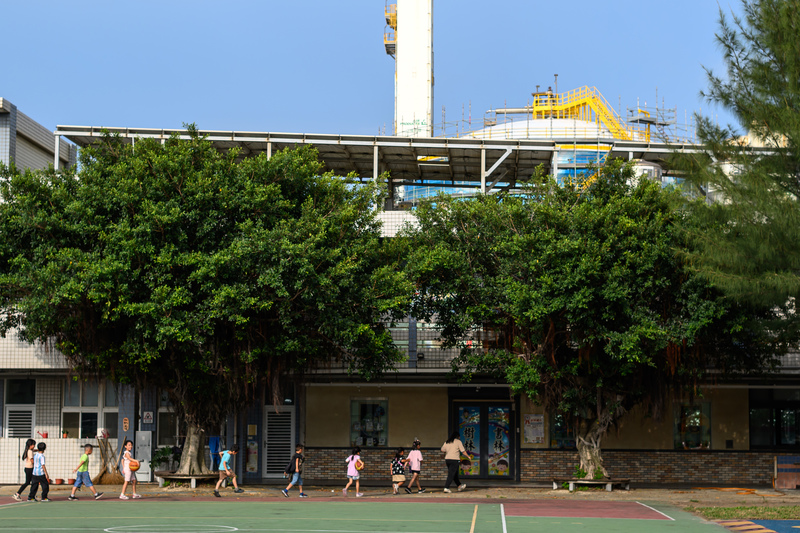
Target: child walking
[83,477]
[225,471]
[415,462]
[130,477]
[354,464]
[295,468]
[398,470]
[27,458]
[40,475]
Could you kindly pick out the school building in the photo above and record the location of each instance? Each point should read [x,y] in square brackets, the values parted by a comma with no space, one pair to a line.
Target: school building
[732,435]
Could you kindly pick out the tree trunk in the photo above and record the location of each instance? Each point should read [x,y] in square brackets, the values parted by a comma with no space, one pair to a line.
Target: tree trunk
[589,453]
[589,443]
[193,459]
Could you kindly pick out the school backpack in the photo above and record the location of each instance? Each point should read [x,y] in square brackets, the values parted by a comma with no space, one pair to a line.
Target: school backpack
[290,467]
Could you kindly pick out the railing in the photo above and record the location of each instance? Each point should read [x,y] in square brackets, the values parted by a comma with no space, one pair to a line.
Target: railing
[391,14]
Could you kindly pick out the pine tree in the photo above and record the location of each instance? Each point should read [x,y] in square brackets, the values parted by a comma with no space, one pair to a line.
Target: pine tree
[748,233]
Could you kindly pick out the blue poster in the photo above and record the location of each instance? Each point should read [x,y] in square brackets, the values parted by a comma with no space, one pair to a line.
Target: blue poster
[469,430]
[499,443]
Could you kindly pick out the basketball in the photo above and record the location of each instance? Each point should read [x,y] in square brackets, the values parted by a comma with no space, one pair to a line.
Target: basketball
[134,465]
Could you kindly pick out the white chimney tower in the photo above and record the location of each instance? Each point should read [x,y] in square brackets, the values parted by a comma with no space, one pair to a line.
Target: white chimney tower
[412,48]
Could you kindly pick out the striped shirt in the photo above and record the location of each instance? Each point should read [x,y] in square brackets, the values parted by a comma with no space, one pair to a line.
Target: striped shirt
[38,464]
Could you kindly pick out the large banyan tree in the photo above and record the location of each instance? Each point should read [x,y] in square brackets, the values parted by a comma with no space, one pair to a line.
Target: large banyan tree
[204,274]
[578,298]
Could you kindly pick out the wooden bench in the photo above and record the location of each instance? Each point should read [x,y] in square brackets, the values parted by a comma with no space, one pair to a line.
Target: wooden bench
[162,476]
[608,483]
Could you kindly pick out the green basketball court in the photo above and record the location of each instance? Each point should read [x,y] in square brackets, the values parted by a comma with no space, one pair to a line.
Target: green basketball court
[337,515]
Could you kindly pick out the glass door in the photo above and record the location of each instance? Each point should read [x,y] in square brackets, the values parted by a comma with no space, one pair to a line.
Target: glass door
[486,433]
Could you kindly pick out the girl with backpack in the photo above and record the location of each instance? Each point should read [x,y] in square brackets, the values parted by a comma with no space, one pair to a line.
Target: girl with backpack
[354,466]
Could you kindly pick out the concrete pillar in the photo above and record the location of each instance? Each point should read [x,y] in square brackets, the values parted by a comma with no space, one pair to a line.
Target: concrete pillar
[254,417]
[412,342]
[483,170]
[375,169]
[127,410]
[57,151]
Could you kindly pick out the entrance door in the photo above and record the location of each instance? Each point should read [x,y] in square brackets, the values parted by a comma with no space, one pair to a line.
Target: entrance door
[278,439]
[486,431]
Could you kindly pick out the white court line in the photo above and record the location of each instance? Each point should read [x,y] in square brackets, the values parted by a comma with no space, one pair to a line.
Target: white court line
[11,504]
[656,510]
[503,517]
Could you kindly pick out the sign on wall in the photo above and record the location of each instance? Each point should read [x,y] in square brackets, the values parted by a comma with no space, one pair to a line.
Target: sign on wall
[534,429]
[147,417]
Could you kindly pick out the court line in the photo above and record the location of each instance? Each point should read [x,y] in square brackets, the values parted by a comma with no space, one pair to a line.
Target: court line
[62,518]
[11,504]
[503,517]
[656,510]
[474,517]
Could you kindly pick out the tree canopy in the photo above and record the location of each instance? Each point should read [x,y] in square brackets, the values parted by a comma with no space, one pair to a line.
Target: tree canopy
[575,296]
[748,241]
[201,273]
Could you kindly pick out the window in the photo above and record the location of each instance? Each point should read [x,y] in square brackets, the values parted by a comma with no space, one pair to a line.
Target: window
[83,410]
[167,424]
[562,434]
[692,426]
[21,391]
[20,411]
[775,418]
[369,422]
[169,430]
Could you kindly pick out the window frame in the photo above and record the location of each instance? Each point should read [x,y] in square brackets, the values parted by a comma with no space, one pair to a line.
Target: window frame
[100,410]
[357,434]
[680,443]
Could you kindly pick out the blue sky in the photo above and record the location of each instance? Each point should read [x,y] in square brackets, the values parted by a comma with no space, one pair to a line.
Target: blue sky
[320,66]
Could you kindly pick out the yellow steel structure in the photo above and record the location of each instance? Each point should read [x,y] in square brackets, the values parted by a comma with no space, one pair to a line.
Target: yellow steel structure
[585,103]
[390,33]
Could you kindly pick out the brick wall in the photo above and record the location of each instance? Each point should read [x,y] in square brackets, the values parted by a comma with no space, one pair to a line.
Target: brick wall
[329,464]
[658,466]
[640,466]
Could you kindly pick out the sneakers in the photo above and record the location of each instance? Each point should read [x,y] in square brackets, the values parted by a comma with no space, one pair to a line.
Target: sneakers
[123,497]
[98,495]
[303,495]
[462,487]
[360,494]
[32,500]
[448,491]
[216,494]
[420,491]
[285,492]
[72,498]
[238,491]
[394,488]
[344,493]
[408,491]
[16,497]
[45,500]
[137,496]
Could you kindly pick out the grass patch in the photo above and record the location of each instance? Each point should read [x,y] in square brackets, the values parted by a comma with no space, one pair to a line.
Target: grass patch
[788,512]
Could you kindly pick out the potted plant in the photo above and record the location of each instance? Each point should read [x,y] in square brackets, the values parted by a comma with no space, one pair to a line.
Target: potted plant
[64,434]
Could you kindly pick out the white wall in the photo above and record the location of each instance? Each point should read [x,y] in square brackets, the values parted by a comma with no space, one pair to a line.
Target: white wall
[62,455]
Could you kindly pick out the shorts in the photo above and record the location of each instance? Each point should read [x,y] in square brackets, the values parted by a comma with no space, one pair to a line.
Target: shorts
[83,478]
[223,474]
[127,474]
[296,479]
[415,472]
[354,478]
